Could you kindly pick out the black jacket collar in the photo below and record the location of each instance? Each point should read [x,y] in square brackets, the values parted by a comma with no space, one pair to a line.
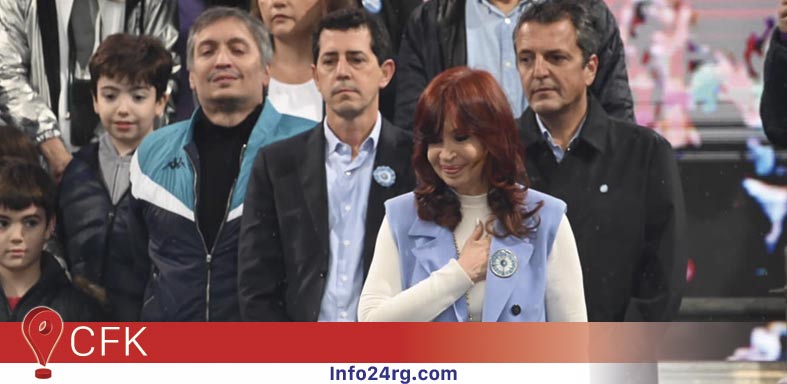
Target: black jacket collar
[453,41]
[595,130]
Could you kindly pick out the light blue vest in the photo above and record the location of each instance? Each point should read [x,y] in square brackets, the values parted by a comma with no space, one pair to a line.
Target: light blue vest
[425,247]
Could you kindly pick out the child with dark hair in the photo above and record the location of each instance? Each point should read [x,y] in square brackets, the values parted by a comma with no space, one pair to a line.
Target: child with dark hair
[30,276]
[14,143]
[102,241]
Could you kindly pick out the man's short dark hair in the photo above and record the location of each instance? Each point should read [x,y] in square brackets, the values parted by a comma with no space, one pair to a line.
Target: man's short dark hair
[347,19]
[23,184]
[576,11]
[140,60]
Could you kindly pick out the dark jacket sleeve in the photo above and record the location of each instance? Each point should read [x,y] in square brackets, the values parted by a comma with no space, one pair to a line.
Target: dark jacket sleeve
[772,105]
[67,198]
[395,14]
[412,67]
[662,270]
[138,227]
[72,261]
[261,275]
[611,86]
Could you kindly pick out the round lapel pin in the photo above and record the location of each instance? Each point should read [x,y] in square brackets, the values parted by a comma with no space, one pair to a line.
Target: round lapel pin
[503,263]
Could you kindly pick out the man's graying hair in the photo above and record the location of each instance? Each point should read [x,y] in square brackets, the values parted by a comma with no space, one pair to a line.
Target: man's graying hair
[552,11]
[215,14]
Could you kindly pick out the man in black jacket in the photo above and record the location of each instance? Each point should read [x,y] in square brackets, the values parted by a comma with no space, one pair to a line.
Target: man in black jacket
[436,38]
[619,180]
[774,94]
[315,201]
[29,276]
[394,14]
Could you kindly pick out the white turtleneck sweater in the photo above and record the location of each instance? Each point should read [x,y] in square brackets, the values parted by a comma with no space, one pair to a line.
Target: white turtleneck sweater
[382,298]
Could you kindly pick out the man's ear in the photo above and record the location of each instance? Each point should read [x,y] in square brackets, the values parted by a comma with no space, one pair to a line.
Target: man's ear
[388,67]
[590,70]
[191,81]
[50,227]
[95,102]
[161,104]
[266,76]
[315,76]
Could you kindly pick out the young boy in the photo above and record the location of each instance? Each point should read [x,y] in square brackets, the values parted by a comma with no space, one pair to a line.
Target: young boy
[29,276]
[100,236]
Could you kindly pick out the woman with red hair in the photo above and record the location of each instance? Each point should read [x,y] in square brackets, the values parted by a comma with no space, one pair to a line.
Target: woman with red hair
[472,242]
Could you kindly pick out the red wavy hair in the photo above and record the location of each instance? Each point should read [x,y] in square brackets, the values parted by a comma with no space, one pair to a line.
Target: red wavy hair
[472,101]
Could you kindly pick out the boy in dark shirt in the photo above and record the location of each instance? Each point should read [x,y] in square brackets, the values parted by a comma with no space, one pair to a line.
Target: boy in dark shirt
[30,276]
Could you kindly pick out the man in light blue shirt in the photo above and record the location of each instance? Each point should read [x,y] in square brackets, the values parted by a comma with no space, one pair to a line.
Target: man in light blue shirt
[489,29]
[348,171]
[315,201]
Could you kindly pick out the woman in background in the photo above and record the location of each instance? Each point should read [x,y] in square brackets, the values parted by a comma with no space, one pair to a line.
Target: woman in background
[291,22]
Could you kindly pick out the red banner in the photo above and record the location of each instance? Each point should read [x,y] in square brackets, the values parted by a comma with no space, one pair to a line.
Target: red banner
[375,342]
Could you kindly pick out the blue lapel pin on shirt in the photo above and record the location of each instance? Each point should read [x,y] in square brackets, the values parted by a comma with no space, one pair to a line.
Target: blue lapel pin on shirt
[384,175]
[373,6]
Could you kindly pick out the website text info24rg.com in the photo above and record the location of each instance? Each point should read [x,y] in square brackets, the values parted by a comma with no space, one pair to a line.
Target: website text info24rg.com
[385,373]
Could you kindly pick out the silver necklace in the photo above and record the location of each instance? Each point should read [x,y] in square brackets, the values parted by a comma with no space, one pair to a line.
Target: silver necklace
[467,294]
